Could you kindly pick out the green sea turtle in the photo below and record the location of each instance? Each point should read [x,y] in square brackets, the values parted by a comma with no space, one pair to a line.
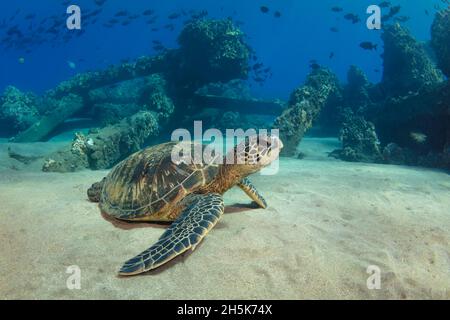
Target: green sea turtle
[150,186]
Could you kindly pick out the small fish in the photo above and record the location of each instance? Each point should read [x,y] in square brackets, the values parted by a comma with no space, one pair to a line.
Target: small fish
[394,10]
[376,70]
[71,64]
[334,29]
[352,17]
[148,12]
[174,16]
[277,14]
[264,9]
[384,4]
[21,60]
[366,45]
[257,66]
[331,56]
[337,9]
[121,13]
[418,137]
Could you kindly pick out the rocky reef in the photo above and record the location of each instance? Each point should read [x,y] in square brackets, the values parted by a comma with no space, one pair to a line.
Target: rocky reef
[210,51]
[405,119]
[440,40]
[359,140]
[18,110]
[305,105]
[407,67]
[101,149]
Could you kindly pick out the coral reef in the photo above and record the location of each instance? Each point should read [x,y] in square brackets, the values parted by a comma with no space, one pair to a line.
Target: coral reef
[112,104]
[407,66]
[304,107]
[101,149]
[210,51]
[440,40]
[17,110]
[359,140]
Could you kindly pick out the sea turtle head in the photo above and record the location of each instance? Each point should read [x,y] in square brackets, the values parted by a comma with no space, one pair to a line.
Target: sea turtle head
[257,152]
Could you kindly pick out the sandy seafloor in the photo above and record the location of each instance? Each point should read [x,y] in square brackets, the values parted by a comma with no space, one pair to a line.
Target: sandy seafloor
[327,221]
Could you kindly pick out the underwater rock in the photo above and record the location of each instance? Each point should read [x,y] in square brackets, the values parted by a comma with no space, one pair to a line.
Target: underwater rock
[357,91]
[210,51]
[407,67]
[304,107]
[82,83]
[359,140]
[440,40]
[17,110]
[61,109]
[102,149]
[111,113]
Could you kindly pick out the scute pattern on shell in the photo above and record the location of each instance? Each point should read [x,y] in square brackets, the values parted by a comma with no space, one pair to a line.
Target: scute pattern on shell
[148,184]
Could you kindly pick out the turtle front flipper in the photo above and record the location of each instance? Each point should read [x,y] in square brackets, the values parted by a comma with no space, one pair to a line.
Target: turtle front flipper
[199,216]
[246,185]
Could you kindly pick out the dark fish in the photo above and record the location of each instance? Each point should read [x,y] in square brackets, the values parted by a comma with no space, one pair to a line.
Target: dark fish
[174,16]
[100,2]
[331,56]
[126,22]
[156,41]
[154,29]
[337,9]
[377,70]
[257,66]
[30,16]
[277,14]
[352,17]
[121,13]
[113,21]
[366,45]
[394,10]
[264,9]
[334,29]
[384,4]
[148,12]
[427,13]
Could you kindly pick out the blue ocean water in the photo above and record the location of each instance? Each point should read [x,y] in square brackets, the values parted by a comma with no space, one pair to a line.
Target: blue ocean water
[286,44]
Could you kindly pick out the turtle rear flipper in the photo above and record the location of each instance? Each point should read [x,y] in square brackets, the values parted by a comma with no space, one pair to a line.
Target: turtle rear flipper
[199,216]
[246,185]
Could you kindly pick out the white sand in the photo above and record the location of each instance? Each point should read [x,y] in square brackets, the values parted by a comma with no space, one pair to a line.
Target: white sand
[327,222]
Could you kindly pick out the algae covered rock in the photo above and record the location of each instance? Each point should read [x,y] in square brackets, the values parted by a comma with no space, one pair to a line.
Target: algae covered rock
[17,110]
[440,40]
[359,140]
[102,149]
[304,107]
[210,51]
[407,67]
